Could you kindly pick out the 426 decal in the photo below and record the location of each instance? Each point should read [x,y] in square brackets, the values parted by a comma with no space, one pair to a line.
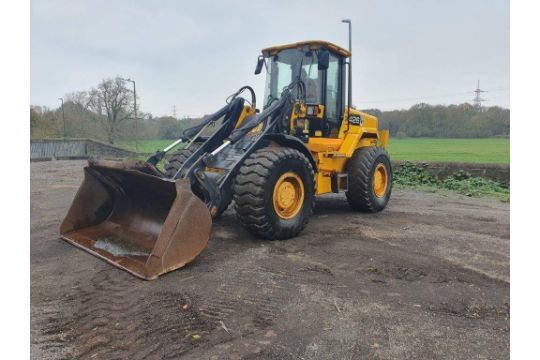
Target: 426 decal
[355,120]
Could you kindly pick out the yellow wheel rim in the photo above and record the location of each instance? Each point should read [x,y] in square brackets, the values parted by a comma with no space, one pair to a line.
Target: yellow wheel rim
[288,195]
[380,180]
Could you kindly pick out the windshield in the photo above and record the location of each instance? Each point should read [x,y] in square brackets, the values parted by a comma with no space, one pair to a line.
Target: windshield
[285,67]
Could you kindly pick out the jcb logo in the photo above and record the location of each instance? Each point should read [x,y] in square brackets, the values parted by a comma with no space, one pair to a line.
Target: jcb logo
[355,120]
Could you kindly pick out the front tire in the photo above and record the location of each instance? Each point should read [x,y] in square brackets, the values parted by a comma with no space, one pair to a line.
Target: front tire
[274,192]
[370,179]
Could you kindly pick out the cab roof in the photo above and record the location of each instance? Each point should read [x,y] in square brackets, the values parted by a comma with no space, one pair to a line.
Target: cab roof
[311,44]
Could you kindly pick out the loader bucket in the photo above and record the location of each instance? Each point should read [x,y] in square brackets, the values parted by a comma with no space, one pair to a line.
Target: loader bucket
[135,220]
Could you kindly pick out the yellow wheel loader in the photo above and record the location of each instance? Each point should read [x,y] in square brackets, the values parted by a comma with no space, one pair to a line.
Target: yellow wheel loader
[307,140]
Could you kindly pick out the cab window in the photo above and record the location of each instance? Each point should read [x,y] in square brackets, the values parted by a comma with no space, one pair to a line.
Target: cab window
[312,78]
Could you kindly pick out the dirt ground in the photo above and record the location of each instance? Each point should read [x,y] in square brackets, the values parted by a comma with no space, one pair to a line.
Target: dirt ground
[428,278]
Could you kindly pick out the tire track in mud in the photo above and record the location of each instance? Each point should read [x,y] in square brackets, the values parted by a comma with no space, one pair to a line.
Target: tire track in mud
[269,272]
[139,324]
[51,338]
[117,323]
[393,261]
[114,316]
[259,305]
[110,314]
[51,335]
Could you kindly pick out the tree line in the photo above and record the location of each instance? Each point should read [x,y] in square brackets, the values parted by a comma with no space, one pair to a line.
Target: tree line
[46,123]
[452,121]
[106,112]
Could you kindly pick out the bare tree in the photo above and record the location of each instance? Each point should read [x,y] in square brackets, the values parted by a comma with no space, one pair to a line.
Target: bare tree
[113,102]
[79,98]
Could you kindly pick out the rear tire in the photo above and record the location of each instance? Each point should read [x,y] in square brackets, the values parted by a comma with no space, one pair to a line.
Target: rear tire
[370,179]
[274,193]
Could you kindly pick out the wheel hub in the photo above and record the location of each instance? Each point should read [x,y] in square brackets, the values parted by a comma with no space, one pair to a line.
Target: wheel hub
[288,195]
[380,180]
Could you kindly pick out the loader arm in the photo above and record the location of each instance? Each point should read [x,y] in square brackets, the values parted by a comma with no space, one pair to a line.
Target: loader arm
[229,112]
[213,167]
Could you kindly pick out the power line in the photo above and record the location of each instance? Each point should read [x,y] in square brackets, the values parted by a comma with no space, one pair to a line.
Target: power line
[416,98]
[428,97]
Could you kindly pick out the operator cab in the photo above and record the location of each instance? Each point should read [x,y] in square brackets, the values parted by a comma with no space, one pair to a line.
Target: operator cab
[321,67]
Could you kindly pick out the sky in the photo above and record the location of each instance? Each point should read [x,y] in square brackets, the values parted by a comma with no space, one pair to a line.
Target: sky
[192,54]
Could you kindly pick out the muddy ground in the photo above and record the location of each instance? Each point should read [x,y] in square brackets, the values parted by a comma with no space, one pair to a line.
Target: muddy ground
[428,278]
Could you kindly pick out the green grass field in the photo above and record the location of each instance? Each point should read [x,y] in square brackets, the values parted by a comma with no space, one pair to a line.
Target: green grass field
[494,151]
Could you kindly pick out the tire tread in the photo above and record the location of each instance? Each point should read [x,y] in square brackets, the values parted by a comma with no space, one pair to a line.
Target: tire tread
[249,191]
[360,167]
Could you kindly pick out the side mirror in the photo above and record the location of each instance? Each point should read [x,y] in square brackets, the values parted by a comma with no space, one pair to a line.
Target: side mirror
[324,59]
[260,63]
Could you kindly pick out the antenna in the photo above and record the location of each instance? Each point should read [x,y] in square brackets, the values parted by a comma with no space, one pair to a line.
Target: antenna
[477,101]
[174,111]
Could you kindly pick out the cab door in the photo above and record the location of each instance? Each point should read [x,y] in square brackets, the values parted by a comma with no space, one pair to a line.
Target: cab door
[333,101]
